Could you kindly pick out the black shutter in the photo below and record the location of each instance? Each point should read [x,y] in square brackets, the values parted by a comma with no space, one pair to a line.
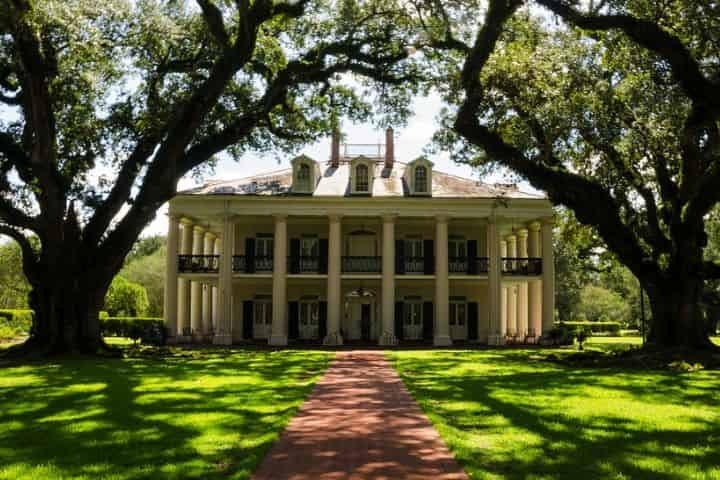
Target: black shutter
[323,252]
[399,310]
[429,252]
[472,320]
[428,323]
[293,320]
[250,255]
[294,255]
[399,256]
[322,320]
[472,257]
[248,319]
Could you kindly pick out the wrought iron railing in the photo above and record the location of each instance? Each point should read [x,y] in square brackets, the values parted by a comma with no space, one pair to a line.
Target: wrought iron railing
[458,265]
[413,265]
[468,265]
[198,263]
[252,264]
[522,266]
[304,264]
[361,264]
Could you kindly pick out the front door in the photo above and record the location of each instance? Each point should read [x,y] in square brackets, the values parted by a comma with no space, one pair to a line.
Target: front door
[262,319]
[458,320]
[309,320]
[412,321]
[365,322]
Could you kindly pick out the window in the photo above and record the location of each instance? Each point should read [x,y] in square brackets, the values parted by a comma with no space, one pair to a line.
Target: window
[457,248]
[421,183]
[303,177]
[309,313]
[263,312]
[309,247]
[414,247]
[413,313]
[457,313]
[361,178]
[264,246]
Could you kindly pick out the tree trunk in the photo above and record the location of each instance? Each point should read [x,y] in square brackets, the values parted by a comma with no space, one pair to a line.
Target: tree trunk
[677,316]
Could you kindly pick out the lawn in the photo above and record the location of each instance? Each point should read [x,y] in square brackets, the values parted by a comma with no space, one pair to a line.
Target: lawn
[206,414]
[509,414]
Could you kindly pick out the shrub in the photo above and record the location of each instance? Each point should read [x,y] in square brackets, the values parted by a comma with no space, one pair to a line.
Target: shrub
[595,327]
[15,322]
[126,298]
[136,328]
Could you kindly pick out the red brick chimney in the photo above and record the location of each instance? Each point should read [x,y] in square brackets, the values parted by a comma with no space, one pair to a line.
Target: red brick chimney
[389,148]
[335,149]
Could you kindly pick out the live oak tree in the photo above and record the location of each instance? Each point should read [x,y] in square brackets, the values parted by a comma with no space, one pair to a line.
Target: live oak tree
[106,105]
[613,109]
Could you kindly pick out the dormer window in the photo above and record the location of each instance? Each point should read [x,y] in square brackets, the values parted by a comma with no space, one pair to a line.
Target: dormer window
[361,175]
[418,177]
[361,178]
[306,173]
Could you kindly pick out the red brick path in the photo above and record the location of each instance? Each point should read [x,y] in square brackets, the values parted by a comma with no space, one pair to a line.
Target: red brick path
[360,423]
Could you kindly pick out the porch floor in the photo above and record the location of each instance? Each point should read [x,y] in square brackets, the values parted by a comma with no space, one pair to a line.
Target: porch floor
[360,423]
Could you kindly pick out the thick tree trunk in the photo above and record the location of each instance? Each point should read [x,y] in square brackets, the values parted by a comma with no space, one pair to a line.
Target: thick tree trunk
[677,315]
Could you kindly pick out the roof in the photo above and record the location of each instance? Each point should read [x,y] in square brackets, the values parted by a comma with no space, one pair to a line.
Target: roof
[335,182]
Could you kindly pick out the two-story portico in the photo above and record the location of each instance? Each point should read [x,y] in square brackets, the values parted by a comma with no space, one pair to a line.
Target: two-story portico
[359,248]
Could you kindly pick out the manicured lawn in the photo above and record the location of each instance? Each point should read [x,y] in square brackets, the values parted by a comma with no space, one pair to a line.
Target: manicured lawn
[197,414]
[507,414]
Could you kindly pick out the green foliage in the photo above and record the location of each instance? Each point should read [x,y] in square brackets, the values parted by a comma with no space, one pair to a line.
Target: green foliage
[131,327]
[145,247]
[598,304]
[14,287]
[15,322]
[592,327]
[125,298]
[148,270]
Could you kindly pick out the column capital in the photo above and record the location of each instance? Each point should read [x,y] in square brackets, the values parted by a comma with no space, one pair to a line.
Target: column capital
[280,217]
[173,217]
[389,217]
[512,238]
[185,221]
[534,226]
[522,233]
[210,235]
[547,221]
[442,217]
[199,229]
[335,217]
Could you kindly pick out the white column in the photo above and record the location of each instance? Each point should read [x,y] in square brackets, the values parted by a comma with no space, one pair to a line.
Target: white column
[522,289]
[388,281]
[170,310]
[184,284]
[207,304]
[442,283]
[216,251]
[503,294]
[196,287]
[535,286]
[278,335]
[512,289]
[334,286]
[496,335]
[223,332]
[548,277]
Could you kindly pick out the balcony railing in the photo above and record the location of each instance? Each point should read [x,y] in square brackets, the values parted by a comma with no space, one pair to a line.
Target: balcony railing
[522,266]
[198,263]
[413,265]
[252,264]
[468,265]
[361,264]
[305,264]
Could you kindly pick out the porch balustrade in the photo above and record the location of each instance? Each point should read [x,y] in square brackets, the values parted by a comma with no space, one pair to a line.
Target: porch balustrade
[522,266]
[362,264]
[198,263]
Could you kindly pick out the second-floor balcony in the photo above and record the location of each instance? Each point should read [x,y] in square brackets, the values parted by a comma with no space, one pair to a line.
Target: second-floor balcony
[361,264]
[198,263]
[252,264]
[531,266]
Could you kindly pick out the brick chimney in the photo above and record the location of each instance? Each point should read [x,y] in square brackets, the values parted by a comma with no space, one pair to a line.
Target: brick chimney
[335,149]
[389,148]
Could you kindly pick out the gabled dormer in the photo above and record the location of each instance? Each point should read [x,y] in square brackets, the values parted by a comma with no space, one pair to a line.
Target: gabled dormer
[418,177]
[362,174]
[306,174]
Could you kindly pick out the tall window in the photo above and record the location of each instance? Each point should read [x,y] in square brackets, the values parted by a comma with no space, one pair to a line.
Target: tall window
[421,181]
[361,178]
[303,177]
[458,313]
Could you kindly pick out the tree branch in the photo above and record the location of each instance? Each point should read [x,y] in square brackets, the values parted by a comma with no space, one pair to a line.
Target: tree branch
[214,20]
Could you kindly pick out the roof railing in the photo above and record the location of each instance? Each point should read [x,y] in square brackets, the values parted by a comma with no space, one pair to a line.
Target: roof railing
[371,150]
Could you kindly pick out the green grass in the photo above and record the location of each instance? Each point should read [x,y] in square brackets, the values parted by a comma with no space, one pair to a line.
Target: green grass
[198,414]
[507,414]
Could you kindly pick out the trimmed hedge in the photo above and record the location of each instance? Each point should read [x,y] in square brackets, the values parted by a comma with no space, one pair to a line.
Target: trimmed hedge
[15,322]
[594,327]
[133,327]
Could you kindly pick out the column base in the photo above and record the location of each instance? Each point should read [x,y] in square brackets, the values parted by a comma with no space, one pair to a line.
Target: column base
[387,340]
[496,339]
[222,339]
[278,340]
[171,340]
[184,339]
[442,341]
[333,339]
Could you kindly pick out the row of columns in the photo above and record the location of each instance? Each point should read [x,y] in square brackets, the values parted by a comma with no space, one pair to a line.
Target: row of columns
[202,309]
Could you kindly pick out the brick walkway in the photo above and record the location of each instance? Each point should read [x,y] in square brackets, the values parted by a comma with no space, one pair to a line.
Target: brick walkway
[360,423]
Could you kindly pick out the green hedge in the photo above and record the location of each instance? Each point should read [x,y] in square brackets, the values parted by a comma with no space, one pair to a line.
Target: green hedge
[132,327]
[15,322]
[595,327]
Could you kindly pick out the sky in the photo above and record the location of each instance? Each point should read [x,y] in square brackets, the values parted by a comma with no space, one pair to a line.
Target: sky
[409,143]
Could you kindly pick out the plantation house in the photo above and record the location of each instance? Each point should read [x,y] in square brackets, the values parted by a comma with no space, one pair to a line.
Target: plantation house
[359,248]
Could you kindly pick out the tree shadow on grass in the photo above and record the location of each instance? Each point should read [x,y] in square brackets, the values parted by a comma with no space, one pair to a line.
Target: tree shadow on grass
[508,416]
[205,416]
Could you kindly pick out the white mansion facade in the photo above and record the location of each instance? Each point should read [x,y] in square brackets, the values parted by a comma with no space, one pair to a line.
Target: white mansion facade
[359,248]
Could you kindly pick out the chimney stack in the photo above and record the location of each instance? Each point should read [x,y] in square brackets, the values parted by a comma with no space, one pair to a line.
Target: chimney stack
[389,148]
[335,149]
